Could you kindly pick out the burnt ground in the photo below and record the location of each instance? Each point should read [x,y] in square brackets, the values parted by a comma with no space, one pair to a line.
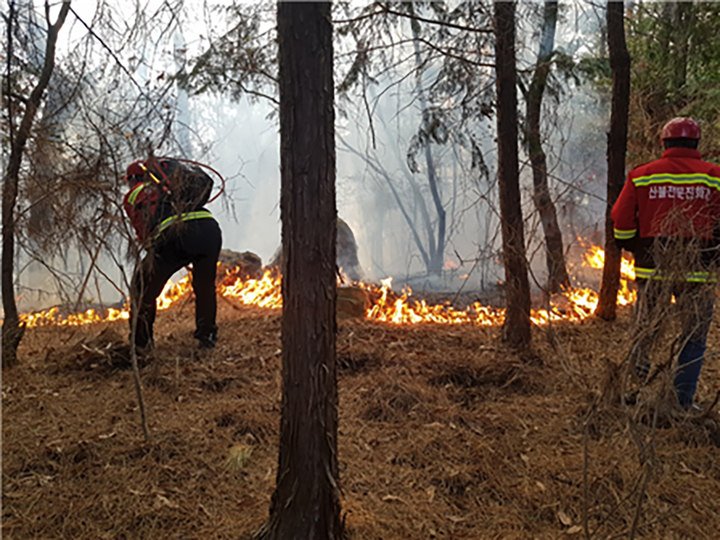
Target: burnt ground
[444,433]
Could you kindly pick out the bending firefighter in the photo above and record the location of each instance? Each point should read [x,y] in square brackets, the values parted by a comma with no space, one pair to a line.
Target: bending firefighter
[667,215]
[165,205]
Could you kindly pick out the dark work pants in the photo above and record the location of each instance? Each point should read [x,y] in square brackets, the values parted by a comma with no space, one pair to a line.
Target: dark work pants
[694,307]
[195,242]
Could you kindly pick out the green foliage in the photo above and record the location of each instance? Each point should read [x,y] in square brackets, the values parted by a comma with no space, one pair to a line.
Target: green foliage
[241,62]
[675,71]
[358,68]
[596,70]
[566,67]
[675,51]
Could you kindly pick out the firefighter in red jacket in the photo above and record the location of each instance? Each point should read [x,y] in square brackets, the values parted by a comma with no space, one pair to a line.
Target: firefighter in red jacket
[173,239]
[667,216]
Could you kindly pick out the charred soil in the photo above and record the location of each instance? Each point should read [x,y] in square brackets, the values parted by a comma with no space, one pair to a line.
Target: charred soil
[444,433]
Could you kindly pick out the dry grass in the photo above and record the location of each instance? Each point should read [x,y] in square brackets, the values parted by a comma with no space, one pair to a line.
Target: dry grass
[443,434]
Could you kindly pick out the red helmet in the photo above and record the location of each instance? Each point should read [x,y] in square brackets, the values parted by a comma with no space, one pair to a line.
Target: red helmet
[136,168]
[681,128]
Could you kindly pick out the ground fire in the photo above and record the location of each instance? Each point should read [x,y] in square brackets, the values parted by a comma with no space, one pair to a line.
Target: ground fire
[385,305]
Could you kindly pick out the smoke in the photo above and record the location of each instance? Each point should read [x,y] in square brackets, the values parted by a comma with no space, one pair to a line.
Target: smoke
[241,141]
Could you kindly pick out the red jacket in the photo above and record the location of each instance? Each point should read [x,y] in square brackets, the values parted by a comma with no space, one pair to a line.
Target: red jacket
[151,211]
[676,195]
[140,204]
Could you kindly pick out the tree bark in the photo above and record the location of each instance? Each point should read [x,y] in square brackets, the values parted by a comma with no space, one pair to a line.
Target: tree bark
[12,330]
[306,503]
[616,149]
[554,250]
[516,329]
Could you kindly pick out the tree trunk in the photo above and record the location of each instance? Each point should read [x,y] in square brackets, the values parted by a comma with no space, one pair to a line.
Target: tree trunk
[554,250]
[677,23]
[516,329]
[306,503]
[437,252]
[616,148]
[12,330]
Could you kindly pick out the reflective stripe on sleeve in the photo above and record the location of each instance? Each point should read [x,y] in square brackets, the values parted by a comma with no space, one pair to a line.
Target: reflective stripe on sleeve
[625,235]
[645,273]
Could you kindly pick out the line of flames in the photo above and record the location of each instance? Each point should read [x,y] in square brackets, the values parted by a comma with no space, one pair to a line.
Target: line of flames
[574,304]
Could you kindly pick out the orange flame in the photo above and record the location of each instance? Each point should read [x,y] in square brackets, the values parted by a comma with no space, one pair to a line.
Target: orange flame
[399,311]
[574,304]
[595,258]
[172,292]
[264,292]
[52,317]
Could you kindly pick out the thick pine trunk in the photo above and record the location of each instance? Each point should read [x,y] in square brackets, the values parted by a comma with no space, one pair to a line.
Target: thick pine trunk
[616,148]
[306,502]
[12,330]
[516,330]
[554,250]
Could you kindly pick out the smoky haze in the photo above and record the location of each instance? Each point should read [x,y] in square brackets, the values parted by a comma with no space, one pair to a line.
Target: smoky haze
[241,141]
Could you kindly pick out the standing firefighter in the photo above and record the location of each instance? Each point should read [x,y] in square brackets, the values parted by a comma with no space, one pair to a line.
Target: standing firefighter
[667,215]
[165,205]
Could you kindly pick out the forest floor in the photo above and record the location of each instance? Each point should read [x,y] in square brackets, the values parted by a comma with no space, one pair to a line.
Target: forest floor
[443,433]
